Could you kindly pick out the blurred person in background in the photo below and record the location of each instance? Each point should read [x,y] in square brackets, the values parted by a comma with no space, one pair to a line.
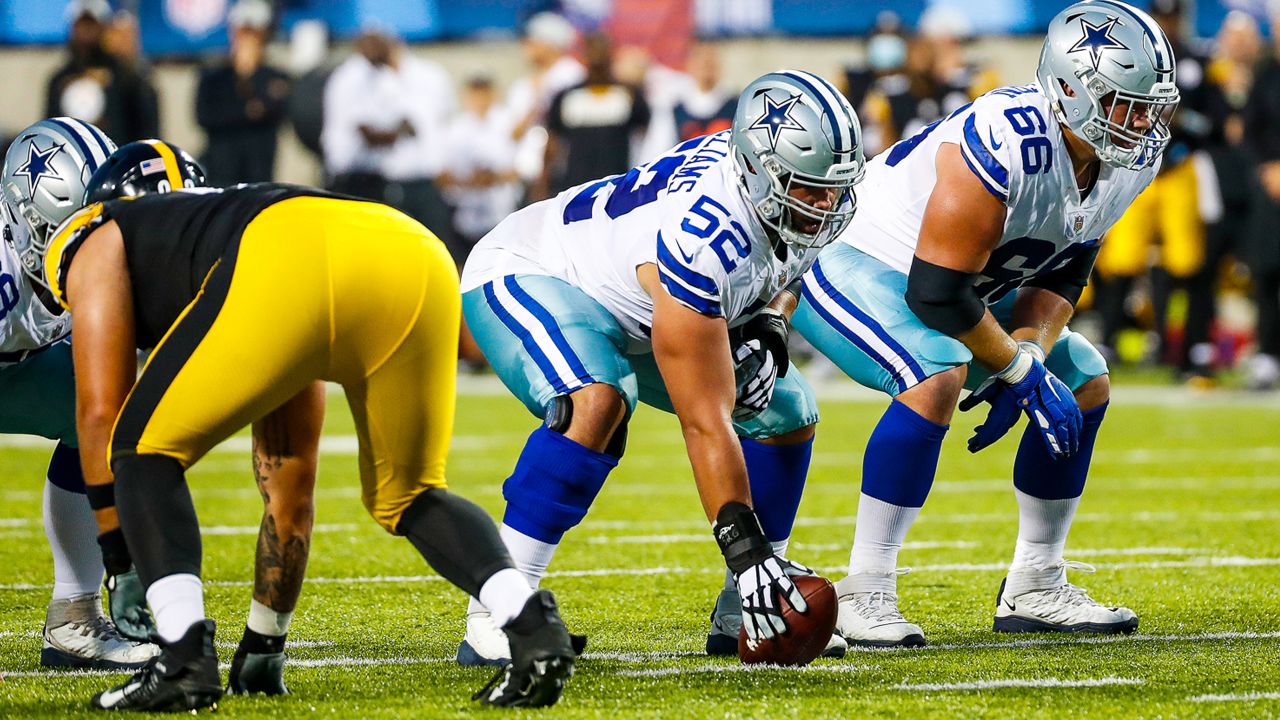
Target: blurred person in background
[1262,137]
[1168,210]
[98,86]
[933,80]
[310,65]
[548,44]
[241,102]
[385,113]
[1225,190]
[663,88]
[708,107]
[479,180]
[590,126]
[886,57]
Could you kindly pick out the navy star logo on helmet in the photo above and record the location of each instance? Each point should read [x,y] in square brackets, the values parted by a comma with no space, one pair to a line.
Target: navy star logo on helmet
[776,118]
[1097,38]
[37,166]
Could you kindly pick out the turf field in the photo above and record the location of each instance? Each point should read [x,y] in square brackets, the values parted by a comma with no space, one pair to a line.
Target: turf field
[1180,517]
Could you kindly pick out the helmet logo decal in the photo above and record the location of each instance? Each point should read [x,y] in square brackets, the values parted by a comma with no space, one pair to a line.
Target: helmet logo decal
[776,118]
[37,166]
[1096,38]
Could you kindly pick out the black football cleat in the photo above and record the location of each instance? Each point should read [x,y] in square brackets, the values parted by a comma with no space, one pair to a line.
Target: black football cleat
[542,657]
[184,676]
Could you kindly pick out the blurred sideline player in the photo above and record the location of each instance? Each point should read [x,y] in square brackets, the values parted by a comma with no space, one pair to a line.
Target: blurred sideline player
[44,177]
[668,285]
[284,462]
[190,274]
[975,239]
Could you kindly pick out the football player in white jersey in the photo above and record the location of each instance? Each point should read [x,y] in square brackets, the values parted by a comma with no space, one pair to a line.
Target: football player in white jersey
[44,177]
[974,241]
[668,285]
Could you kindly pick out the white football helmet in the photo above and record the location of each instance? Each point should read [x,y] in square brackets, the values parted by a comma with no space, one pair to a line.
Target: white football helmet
[793,129]
[45,173]
[1119,67]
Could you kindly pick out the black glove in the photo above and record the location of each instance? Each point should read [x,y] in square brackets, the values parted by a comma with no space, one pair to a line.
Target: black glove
[771,329]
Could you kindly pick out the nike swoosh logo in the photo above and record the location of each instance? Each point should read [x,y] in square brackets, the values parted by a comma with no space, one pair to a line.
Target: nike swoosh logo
[113,697]
[1010,605]
[687,258]
[994,145]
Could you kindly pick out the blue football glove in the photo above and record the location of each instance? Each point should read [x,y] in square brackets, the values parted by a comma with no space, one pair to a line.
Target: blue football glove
[128,603]
[1027,386]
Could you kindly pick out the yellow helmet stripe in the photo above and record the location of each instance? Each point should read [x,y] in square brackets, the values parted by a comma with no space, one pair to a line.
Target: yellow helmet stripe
[58,245]
[170,162]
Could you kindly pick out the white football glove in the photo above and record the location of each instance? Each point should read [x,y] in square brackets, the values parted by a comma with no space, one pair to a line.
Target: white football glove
[760,586]
[755,372]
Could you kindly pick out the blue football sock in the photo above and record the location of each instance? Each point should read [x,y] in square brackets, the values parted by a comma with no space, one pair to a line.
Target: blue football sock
[902,457]
[777,474]
[1038,474]
[553,485]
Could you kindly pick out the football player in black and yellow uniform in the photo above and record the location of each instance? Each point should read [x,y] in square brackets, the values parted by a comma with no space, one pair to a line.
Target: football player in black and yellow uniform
[285,454]
[248,296]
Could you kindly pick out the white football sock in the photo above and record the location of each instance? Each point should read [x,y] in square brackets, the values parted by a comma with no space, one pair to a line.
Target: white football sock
[882,528]
[265,621]
[531,557]
[177,601]
[1042,530]
[73,537]
[1042,535]
[505,594]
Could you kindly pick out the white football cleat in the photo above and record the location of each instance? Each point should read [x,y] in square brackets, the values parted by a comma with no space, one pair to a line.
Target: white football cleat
[872,619]
[1057,607]
[77,634]
[484,643]
[726,621]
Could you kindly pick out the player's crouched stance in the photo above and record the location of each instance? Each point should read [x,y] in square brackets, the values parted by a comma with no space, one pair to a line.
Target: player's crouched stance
[975,240]
[668,285]
[211,279]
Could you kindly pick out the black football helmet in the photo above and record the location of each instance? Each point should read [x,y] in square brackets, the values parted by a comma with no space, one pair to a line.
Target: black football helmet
[142,168]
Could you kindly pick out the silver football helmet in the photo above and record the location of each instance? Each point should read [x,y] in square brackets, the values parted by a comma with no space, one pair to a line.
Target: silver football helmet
[795,130]
[45,173]
[1108,69]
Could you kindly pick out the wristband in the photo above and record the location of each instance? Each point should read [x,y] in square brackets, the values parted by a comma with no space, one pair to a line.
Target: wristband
[740,537]
[1018,368]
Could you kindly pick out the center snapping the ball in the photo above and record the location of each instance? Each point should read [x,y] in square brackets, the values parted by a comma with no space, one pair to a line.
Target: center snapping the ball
[806,636]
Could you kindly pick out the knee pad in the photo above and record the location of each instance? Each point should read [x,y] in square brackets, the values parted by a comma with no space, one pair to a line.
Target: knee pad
[553,484]
[64,469]
[559,415]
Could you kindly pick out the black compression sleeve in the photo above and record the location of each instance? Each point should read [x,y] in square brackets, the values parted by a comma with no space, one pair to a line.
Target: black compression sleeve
[943,298]
[1070,279]
[456,537]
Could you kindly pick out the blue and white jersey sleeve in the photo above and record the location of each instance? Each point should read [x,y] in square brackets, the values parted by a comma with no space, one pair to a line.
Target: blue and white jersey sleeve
[690,273]
[986,147]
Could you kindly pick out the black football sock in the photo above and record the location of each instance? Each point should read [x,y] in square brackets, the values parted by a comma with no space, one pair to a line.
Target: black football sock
[456,537]
[157,516]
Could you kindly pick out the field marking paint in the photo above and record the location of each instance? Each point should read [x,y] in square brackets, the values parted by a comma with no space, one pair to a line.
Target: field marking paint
[1019,683]
[1236,697]
[724,668]
[1199,562]
[1090,640]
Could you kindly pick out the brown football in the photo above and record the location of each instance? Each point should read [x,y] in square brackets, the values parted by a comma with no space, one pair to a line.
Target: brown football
[806,636]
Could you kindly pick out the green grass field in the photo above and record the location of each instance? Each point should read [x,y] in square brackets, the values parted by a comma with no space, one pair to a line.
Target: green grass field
[1180,517]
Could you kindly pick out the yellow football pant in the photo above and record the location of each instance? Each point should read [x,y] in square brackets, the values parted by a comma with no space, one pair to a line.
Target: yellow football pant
[1167,209]
[319,288]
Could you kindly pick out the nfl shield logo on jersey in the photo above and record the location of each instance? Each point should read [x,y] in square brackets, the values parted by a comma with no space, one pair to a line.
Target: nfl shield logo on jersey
[1077,223]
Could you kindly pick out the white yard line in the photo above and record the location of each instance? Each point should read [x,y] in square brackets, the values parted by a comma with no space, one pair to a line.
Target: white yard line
[1236,697]
[1018,683]
[1198,562]
[722,668]
[1094,640]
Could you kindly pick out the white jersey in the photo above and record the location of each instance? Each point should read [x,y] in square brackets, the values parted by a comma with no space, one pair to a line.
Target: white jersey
[1011,141]
[25,322]
[685,212]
